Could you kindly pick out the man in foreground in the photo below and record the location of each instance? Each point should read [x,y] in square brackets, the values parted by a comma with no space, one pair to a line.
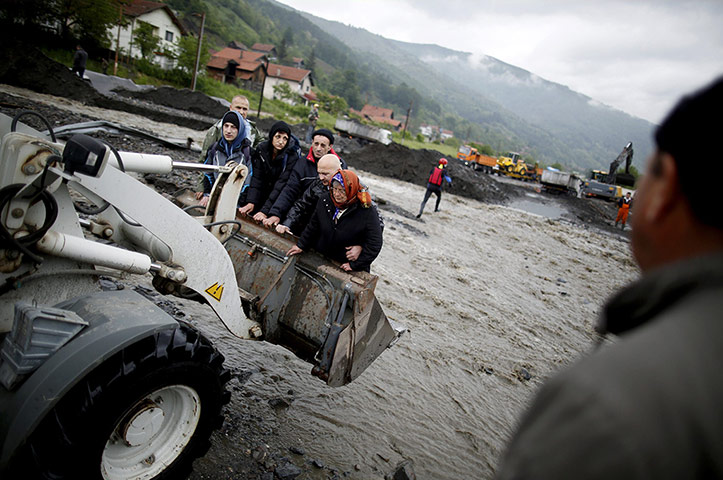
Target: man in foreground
[649,406]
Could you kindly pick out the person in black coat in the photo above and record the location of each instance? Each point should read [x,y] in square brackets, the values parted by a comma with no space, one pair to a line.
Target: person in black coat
[343,218]
[303,173]
[272,161]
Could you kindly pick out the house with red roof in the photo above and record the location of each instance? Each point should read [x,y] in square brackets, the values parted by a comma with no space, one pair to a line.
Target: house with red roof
[380,115]
[231,64]
[265,48]
[166,26]
[298,79]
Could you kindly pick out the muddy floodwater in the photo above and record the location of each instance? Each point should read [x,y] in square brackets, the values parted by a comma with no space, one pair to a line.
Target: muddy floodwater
[495,299]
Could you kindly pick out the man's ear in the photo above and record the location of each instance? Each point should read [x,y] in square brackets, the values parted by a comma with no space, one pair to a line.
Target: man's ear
[666,195]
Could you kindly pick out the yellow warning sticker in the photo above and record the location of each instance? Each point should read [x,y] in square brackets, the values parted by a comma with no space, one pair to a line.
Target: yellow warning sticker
[216,291]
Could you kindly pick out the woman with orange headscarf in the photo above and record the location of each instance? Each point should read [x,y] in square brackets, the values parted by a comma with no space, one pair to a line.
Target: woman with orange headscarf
[342,218]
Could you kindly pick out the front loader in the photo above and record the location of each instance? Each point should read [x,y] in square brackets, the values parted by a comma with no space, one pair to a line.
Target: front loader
[99,384]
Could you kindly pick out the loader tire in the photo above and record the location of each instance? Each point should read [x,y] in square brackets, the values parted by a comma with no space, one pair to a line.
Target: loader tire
[146,412]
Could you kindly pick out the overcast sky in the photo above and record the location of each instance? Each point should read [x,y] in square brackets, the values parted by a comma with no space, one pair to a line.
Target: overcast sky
[639,56]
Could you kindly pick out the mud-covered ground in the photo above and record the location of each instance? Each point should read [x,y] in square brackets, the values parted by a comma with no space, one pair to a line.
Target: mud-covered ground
[495,298]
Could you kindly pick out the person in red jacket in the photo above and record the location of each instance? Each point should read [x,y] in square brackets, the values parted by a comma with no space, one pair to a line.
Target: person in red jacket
[434,184]
[624,205]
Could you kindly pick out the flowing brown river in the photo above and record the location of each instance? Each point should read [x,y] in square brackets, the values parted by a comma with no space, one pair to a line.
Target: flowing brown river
[495,300]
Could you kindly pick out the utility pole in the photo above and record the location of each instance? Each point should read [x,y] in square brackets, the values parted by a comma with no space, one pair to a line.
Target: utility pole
[406,121]
[198,51]
[117,41]
[265,67]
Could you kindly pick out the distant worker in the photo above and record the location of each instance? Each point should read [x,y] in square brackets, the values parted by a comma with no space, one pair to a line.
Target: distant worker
[80,58]
[649,404]
[434,184]
[624,205]
[239,104]
[313,117]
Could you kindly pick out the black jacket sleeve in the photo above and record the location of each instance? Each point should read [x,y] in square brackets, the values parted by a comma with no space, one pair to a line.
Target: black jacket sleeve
[311,232]
[280,183]
[289,193]
[256,186]
[300,213]
[372,244]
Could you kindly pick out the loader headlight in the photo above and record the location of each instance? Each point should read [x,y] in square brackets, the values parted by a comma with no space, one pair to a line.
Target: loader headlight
[84,154]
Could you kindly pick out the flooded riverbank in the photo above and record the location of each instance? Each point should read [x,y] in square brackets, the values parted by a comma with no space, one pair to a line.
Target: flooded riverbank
[495,299]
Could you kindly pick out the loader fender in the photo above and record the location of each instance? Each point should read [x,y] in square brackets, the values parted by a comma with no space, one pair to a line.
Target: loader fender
[116,320]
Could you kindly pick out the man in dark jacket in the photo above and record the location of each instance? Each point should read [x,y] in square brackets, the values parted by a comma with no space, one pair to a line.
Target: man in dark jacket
[434,185]
[301,176]
[79,60]
[649,406]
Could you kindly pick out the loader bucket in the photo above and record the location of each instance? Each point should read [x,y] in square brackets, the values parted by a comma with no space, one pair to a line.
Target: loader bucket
[307,304]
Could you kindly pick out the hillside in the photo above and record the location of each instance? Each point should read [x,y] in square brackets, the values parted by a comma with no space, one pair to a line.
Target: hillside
[554,123]
[483,100]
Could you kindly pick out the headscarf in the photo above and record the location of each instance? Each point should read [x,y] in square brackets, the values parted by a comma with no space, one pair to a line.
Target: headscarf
[235,118]
[355,191]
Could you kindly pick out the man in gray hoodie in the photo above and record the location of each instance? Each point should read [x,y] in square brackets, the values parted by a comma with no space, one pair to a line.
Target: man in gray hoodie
[651,404]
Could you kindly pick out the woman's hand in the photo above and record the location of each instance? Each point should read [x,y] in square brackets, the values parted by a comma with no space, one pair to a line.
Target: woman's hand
[246,209]
[346,267]
[283,229]
[271,221]
[353,252]
[260,217]
[295,250]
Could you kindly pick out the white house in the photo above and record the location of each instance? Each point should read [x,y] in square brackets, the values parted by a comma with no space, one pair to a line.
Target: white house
[298,79]
[165,26]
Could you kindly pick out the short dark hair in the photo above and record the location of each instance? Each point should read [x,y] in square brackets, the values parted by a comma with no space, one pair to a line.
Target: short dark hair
[691,135]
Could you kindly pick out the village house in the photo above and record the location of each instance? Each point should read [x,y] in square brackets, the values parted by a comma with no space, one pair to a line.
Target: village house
[231,65]
[166,27]
[298,79]
[266,49]
[445,134]
[380,115]
[434,132]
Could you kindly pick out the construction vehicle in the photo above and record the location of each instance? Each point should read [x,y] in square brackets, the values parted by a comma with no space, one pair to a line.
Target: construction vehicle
[555,181]
[513,166]
[471,157]
[606,185]
[104,384]
[364,132]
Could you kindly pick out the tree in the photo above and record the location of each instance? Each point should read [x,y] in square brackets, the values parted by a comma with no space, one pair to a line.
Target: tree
[332,104]
[311,61]
[87,20]
[286,41]
[145,40]
[283,91]
[187,46]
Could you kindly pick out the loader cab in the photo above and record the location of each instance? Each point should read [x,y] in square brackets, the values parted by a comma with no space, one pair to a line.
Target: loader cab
[598,175]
